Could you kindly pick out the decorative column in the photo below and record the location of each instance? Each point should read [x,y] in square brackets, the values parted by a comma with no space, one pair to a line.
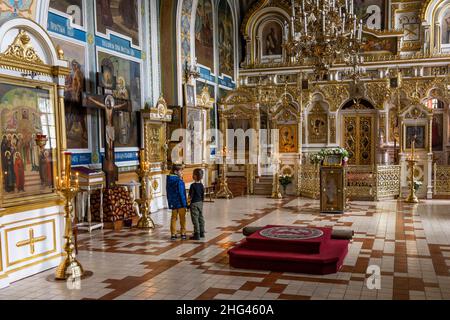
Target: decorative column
[430,158]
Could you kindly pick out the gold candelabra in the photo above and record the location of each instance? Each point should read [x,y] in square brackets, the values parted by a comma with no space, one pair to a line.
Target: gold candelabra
[145,222]
[224,192]
[276,194]
[68,188]
[412,198]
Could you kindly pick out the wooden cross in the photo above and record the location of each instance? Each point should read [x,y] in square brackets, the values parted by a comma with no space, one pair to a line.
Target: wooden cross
[31,241]
[109,105]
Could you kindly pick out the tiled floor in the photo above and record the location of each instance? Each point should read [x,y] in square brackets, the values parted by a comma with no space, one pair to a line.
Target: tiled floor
[411,245]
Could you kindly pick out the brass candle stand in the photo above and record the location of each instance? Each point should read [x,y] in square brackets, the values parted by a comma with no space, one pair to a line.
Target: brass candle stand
[276,193]
[145,222]
[224,192]
[68,188]
[412,198]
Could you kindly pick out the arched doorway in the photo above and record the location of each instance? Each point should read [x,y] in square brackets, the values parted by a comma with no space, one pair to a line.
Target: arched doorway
[358,123]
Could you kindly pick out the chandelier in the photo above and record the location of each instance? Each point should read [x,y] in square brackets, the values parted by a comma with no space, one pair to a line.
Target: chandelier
[323,32]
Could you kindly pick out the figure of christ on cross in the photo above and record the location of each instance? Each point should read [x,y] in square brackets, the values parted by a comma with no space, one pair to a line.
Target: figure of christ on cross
[108,104]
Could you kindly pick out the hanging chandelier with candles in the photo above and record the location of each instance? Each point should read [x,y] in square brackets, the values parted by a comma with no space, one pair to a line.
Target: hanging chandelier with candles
[323,32]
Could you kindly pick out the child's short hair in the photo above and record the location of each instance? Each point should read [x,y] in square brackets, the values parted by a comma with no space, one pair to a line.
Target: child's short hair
[177,168]
[198,173]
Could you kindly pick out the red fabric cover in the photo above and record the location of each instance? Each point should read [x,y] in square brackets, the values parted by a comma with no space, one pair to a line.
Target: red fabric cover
[329,260]
[258,242]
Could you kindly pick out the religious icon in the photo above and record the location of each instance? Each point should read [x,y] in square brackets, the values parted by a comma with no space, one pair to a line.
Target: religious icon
[288,138]
[76,116]
[27,168]
[226,47]
[121,16]
[272,37]
[204,47]
[74,8]
[189,93]
[446,28]
[18,8]
[122,79]
[417,134]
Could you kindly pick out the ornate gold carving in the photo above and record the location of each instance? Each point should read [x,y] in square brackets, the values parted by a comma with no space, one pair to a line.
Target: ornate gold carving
[154,138]
[309,179]
[377,92]
[358,139]
[394,128]
[332,122]
[60,52]
[441,180]
[387,181]
[361,182]
[22,50]
[335,95]
[204,99]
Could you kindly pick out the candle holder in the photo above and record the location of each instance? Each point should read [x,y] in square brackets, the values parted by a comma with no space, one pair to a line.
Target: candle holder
[276,193]
[68,188]
[145,222]
[412,198]
[224,192]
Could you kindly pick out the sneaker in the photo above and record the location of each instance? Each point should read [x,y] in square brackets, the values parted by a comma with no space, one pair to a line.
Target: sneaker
[173,237]
[195,236]
[183,237]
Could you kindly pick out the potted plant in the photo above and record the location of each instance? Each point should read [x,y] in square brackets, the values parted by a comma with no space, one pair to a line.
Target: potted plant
[285,180]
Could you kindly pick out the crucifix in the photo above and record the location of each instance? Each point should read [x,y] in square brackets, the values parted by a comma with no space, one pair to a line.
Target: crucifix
[108,105]
[31,241]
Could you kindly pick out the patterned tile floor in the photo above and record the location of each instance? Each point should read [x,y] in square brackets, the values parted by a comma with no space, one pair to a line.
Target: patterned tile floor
[410,244]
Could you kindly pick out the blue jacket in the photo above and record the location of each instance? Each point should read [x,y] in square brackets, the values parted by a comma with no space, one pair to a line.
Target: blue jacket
[176,192]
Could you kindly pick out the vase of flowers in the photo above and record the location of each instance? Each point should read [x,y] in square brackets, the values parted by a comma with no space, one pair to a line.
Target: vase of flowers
[285,180]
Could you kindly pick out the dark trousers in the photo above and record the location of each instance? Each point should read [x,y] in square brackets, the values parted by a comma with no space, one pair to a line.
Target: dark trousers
[197,217]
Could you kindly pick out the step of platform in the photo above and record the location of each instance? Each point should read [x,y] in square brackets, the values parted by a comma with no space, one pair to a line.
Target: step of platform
[328,261]
[307,246]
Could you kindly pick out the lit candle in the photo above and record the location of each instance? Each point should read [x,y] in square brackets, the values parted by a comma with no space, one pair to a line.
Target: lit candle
[68,167]
[360,30]
[343,23]
[323,22]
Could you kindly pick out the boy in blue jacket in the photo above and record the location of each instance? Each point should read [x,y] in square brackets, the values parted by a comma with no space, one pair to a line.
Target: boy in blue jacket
[176,198]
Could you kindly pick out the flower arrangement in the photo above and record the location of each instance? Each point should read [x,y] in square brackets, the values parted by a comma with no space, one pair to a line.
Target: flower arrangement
[285,180]
[417,185]
[317,158]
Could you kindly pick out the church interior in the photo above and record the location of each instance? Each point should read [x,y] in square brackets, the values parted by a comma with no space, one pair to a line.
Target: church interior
[225,150]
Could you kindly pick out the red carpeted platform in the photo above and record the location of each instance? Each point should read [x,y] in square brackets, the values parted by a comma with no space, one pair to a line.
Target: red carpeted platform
[290,249]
